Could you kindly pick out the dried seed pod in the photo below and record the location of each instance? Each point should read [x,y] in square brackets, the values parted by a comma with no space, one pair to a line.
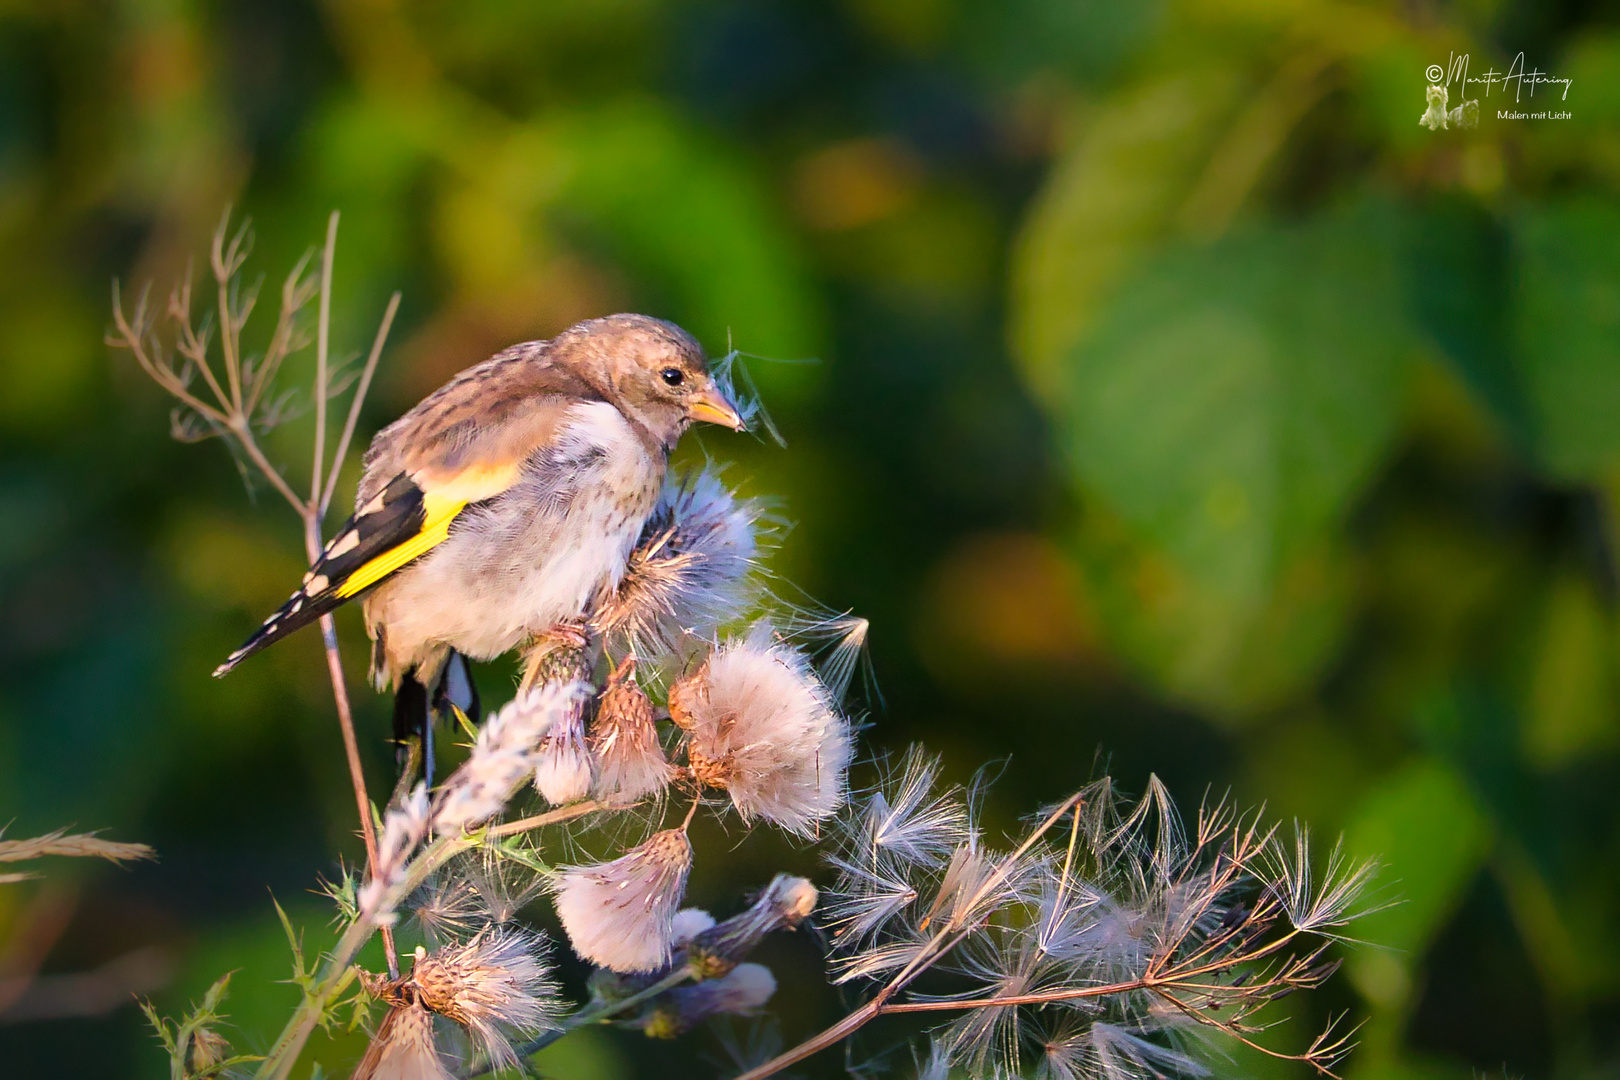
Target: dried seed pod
[564,663]
[624,737]
[684,697]
[786,902]
[712,772]
[561,654]
[208,1049]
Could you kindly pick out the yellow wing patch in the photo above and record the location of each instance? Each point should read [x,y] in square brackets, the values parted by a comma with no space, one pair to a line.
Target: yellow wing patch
[440,504]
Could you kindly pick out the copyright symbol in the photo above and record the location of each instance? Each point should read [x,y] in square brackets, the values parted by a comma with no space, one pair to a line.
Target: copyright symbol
[1435,73]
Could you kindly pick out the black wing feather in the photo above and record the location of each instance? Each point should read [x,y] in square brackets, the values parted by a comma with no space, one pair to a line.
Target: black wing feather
[392,518]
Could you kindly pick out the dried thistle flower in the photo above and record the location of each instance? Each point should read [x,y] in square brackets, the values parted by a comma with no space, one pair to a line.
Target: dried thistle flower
[691,570]
[743,991]
[563,765]
[504,755]
[496,985]
[403,1048]
[404,828]
[786,902]
[624,739]
[620,914]
[762,726]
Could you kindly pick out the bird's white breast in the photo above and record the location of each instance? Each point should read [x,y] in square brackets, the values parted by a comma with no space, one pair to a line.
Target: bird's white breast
[539,554]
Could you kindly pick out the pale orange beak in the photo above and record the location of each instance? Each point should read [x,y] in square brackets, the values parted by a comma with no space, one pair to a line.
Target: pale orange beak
[712,407]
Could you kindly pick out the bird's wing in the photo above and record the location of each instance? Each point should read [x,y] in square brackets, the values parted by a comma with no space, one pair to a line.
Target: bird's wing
[464,445]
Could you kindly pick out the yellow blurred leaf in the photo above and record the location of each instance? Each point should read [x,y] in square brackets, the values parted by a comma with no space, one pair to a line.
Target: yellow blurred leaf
[1572,707]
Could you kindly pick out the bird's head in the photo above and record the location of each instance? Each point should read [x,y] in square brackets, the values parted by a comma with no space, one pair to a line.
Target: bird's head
[656,373]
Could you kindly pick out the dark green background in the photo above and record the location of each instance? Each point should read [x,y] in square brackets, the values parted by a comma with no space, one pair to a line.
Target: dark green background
[1181,405]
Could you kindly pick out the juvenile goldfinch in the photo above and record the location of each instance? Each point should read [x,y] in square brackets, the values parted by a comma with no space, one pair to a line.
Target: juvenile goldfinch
[507,503]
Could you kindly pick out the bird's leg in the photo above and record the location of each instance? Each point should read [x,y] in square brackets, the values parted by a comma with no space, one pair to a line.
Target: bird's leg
[413,708]
[427,749]
[561,654]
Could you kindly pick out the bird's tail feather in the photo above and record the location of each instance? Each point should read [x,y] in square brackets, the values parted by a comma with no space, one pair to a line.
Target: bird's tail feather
[299,611]
[416,706]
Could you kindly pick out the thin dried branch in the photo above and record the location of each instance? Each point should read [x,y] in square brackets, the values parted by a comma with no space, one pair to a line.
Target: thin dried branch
[355,403]
[296,292]
[1208,930]
[246,399]
[323,337]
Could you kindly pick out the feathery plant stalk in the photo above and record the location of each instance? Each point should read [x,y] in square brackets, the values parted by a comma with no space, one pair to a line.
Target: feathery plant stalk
[24,961]
[1099,945]
[247,402]
[338,971]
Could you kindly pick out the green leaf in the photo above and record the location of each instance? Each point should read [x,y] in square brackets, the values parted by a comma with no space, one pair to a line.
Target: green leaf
[515,849]
[1571,700]
[1230,405]
[1568,332]
[303,977]
[1426,828]
[1236,397]
[1192,641]
[1458,284]
[216,993]
[1115,192]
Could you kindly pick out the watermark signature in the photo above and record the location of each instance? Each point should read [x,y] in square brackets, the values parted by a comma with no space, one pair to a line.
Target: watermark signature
[1519,79]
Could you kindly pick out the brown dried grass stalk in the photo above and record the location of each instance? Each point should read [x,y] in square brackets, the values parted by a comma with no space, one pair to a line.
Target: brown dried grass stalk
[238,399]
[79,845]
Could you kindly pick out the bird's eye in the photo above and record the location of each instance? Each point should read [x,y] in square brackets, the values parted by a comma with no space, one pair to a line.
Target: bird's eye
[673,376]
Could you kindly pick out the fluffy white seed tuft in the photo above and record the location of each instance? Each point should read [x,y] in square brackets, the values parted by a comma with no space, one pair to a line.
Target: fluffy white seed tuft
[762,726]
[563,765]
[692,570]
[688,924]
[620,914]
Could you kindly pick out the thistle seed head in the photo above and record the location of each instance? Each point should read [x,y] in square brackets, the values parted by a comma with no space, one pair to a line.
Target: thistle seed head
[563,766]
[496,985]
[624,738]
[692,570]
[620,914]
[403,1048]
[762,726]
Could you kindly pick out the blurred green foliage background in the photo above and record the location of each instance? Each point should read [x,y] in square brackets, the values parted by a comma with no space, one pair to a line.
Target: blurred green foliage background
[1181,405]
